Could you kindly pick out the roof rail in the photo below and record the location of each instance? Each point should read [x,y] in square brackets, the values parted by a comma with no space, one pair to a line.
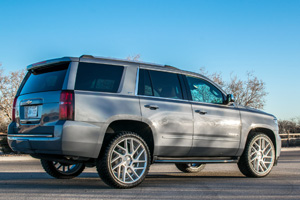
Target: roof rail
[171,67]
[86,56]
[131,61]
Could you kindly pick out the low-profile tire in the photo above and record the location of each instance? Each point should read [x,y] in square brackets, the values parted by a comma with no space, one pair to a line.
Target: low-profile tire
[125,161]
[190,167]
[258,157]
[62,171]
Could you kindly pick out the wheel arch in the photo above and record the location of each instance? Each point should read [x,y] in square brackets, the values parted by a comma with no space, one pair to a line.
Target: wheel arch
[266,131]
[141,128]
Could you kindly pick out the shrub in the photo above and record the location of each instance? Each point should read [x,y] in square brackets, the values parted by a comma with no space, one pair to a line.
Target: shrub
[4,145]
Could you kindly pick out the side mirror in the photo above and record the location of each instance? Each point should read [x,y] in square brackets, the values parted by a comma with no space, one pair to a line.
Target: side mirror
[230,99]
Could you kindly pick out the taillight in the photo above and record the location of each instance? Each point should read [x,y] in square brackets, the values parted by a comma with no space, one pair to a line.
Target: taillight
[14,110]
[66,105]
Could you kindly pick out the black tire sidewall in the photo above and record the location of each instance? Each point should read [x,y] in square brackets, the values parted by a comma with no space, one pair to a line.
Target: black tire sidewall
[244,163]
[184,167]
[52,171]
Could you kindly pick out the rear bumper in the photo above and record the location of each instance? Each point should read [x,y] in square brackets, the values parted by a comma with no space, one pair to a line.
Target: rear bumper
[70,138]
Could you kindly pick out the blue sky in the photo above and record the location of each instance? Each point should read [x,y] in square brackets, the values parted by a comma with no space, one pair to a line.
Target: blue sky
[222,36]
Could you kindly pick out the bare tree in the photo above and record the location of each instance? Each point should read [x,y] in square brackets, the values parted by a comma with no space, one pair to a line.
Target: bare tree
[9,85]
[216,76]
[250,92]
[134,58]
[289,126]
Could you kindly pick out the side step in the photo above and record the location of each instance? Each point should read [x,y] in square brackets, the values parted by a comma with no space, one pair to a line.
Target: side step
[195,159]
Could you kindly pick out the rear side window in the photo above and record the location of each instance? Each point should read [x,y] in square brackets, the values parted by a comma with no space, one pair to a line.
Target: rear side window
[145,87]
[44,79]
[166,85]
[159,84]
[98,77]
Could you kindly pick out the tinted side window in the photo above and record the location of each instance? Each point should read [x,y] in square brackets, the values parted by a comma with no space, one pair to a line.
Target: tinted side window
[203,91]
[98,77]
[165,84]
[145,87]
[49,78]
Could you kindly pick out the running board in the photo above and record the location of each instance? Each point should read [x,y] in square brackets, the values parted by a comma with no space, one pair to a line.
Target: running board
[196,160]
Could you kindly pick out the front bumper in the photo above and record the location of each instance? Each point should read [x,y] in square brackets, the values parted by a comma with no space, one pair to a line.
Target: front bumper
[278,146]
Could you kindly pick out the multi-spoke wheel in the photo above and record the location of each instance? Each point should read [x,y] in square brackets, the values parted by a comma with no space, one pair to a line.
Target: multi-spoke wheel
[125,162]
[190,167]
[258,157]
[61,170]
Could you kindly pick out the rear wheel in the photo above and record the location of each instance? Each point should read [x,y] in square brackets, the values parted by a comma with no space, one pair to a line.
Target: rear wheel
[61,170]
[190,167]
[258,157]
[125,162]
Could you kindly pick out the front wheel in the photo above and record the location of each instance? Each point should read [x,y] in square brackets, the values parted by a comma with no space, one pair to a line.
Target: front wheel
[125,162]
[62,171]
[190,167]
[258,157]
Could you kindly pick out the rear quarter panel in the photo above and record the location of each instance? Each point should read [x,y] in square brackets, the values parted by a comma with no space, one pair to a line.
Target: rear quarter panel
[101,108]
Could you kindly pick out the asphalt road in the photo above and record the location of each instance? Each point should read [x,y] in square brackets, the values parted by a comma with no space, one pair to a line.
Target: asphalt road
[24,178]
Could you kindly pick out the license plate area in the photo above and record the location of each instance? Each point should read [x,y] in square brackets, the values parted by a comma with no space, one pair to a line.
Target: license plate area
[31,112]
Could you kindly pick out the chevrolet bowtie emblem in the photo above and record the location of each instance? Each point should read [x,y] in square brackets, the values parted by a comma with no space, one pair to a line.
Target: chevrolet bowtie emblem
[28,102]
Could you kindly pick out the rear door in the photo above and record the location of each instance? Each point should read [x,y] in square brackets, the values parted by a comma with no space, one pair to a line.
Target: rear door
[163,105]
[37,106]
[217,127]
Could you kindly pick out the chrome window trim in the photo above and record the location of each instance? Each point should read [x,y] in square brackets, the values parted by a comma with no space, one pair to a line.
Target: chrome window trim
[137,81]
[193,102]
[165,98]
[184,100]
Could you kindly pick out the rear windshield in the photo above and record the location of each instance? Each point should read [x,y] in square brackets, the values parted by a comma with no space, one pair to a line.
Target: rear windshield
[50,78]
[98,77]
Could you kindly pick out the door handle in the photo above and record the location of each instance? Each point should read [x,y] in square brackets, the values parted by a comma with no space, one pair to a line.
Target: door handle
[152,107]
[201,112]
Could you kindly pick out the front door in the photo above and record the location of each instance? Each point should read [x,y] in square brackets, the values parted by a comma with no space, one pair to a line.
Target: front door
[217,127]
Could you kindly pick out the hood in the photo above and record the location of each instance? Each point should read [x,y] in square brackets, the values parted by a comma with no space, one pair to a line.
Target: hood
[249,109]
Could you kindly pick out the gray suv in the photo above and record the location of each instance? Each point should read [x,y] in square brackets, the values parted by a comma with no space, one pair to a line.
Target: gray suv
[121,116]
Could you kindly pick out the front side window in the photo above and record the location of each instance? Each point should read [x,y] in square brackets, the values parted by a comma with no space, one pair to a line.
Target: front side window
[98,77]
[203,91]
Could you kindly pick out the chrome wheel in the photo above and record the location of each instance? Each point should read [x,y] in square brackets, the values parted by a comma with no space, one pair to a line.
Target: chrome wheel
[258,157]
[194,165]
[261,155]
[128,160]
[66,169]
[190,167]
[61,170]
[125,161]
